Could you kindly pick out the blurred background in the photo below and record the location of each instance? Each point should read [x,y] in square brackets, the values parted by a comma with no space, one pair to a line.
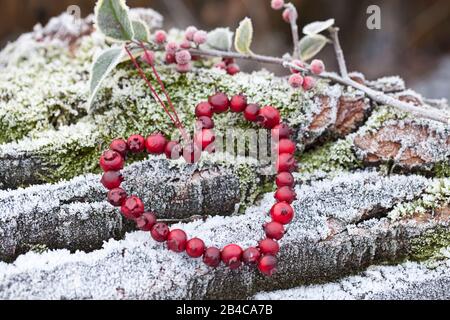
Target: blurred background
[414,40]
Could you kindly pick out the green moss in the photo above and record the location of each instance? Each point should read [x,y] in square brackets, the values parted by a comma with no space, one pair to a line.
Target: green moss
[442,169]
[429,245]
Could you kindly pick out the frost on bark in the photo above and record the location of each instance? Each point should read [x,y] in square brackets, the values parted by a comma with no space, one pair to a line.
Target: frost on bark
[349,216]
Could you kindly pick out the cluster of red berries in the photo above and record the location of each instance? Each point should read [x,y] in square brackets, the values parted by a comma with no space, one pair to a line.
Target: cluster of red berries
[229,65]
[297,80]
[264,256]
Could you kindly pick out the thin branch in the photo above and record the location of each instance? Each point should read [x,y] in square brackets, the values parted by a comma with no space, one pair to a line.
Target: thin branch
[294,29]
[334,33]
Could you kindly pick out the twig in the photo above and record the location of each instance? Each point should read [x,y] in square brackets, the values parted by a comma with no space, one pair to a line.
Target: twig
[334,33]
[294,29]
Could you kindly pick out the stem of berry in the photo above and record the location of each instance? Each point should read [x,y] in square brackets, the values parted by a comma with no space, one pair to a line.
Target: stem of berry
[294,29]
[334,34]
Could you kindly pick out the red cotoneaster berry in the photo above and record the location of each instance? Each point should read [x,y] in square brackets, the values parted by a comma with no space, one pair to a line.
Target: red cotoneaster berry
[183,57]
[192,153]
[317,67]
[190,32]
[117,197]
[232,256]
[195,248]
[212,257]
[156,144]
[251,113]
[308,83]
[200,37]
[269,117]
[184,68]
[268,265]
[112,180]
[286,146]
[204,109]
[274,230]
[228,61]
[297,63]
[233,69]
[170,58]
[277,4]
[269,247]
[251,256]
[204,123]
[111,161]
[160,37]
[136,144]
[132,208]
[120,146]
[281,131]
[285,179]
[172,47]
[204,138]
[186,44]
[296,81]
[160,232]
[285,194]
[149,58]
[282,212]
[286,163]
[146,222]
[176,240]
[219,102]
[238,103]
[173,150]
[221,65]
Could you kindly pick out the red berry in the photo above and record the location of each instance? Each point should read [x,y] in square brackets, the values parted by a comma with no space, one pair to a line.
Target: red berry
[277,4]
[286,146]
[308,83]
[238,103]
[111,161]
[190,32]
[219,102]
[183,57]
[212,257]
[172,47]
[160,232]
[296,81]
[274,230]
[204,138]
[136,143]
[176,241]
[195,248]
[173,150]
[282,212]
[251,256]
[221,65]
[117,197]
[268,265]
[200,37]
[160,36]
[285,194]
[285,179]
[132,208]
[186,44]
[288,15]
[317,67]
[233,69]
[184,68]
[146,222]
[204,109]
[112,180]
[228,61]
[232,256]
[269,247]
[204,123]
[281,131]
[192,153]
[156,144]
[251,112]
[297,63]
[286,163]
[170,58]
[269,117]
[120,146]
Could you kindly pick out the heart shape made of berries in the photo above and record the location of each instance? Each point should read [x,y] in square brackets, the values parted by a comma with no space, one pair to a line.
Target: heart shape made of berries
[112,162]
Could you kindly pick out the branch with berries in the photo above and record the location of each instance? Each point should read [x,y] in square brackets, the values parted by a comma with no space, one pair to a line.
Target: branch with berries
[135,41]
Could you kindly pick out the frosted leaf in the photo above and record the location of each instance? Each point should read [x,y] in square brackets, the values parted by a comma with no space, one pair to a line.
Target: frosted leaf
[311,45]
[112,19]
[220,39]
[244,36]
[141,31]
[318,27]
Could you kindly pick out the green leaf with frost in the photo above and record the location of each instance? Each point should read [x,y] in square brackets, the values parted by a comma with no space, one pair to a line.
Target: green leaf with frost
[244,37]
[318,27]
[141,31]
[112,19]
[102,67]
[311,45]
[220,39]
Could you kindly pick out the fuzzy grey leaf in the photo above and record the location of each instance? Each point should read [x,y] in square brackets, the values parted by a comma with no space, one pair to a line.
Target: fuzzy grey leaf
[244,36]
[112,19]
[220,39]
[311,45]
[318,27]
[141,31]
